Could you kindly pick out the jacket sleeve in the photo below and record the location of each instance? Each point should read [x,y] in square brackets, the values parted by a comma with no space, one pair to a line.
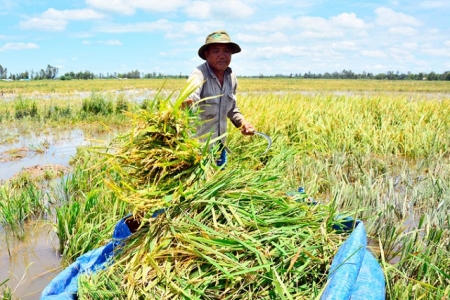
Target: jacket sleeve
[196,78]
[234,113]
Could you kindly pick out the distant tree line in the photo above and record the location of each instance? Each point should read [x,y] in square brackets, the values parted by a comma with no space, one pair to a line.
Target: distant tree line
[48,73]
[348,74]
[52,73]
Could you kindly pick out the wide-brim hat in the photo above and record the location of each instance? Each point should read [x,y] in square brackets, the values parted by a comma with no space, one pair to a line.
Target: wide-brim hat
[218,37]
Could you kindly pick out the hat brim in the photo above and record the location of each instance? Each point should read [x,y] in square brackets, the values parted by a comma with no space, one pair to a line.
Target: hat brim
[234,48]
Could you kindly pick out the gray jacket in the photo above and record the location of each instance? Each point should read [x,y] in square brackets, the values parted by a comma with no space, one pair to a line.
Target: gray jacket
[214,112]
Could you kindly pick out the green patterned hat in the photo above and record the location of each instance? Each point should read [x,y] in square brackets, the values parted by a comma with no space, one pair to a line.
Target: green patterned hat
[218,37]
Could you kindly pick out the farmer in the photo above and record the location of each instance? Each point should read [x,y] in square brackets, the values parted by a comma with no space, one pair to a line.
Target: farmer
[216,80]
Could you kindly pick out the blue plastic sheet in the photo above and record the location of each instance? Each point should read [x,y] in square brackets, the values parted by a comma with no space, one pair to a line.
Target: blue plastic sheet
[65,284]
[354,272]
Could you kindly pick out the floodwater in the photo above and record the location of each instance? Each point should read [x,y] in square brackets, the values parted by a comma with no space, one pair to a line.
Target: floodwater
[31,263]
[61,147]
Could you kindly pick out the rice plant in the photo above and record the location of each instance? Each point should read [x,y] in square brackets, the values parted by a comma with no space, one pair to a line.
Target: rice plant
[17,206]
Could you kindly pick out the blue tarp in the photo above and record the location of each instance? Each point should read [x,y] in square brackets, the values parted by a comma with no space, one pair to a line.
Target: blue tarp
[355,273]
[65,284]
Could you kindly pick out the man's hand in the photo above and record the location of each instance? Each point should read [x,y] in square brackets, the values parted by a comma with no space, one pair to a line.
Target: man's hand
[247,129]
[187,103]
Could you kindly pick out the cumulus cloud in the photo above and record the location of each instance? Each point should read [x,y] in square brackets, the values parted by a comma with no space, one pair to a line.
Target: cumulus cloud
[19,46]
[57,20]
[129,7]
[436,51]
[403,30]
[401,55]
[106,42]
[310,27]
[199,9]
[435,4]
[221,9]
[348,20]
[277,37]
[388,17]
[72,14]
[344,46]
[162,25]
[269,52]
[111,42]
[373,53]
[43,24]
[409,45]
[279,23]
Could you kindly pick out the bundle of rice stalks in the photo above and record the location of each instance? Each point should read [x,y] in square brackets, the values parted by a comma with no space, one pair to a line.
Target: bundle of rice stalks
[224,234]
[236,237]
[151,165]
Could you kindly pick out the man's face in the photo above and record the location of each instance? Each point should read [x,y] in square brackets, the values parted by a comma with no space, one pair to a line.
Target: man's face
[218,56]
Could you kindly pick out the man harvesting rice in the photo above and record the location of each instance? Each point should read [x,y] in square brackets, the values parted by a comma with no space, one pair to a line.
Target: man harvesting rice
[218,84]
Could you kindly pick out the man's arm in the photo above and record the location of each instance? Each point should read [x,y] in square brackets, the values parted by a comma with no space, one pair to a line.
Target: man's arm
[239,121]
[195,79]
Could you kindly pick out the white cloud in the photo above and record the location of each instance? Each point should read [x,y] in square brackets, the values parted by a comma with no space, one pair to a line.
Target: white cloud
[19,46]
[277,37]
[344,45]
[111,42]
[231,9]
[129,7]
[321,34]
[162,25]
[435,4]
[403,30]
[43,24]
[198,9]
[436,51]
[373,53]
[269,52]
[388,17]
[401,54]
[380,67]
[311,27]
[348,20]
[276,24]
[57,20]
[409,45]
[447,43]
[72,14]
[106,42]
[118,6]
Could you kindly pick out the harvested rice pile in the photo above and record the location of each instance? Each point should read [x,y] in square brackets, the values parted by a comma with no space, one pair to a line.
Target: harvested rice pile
[224,234]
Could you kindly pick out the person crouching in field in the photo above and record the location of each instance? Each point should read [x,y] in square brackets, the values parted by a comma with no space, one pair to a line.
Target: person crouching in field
[218,83]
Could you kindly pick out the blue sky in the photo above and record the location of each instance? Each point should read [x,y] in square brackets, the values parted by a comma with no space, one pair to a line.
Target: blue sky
[276,36]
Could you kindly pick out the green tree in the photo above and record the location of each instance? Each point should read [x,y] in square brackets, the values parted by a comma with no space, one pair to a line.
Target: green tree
[3,72]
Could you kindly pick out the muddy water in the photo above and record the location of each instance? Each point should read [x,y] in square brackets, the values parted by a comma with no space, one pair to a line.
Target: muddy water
[31,263]
[55,148]
[60,148]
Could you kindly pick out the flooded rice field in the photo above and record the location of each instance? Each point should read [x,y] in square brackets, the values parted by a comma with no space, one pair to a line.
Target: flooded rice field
[29,263]
[43,149]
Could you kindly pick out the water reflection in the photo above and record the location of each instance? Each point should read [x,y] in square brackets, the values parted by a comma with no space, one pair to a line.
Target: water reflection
[31,263]
[55,148]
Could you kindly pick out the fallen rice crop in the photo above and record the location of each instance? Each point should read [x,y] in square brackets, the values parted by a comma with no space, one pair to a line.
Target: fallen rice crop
[223,234]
